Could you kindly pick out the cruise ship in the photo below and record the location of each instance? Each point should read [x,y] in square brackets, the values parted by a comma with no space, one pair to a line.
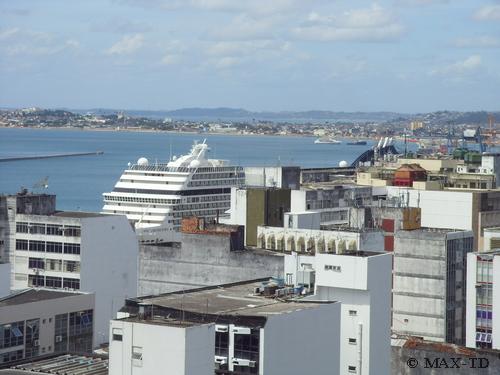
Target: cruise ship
[156,196]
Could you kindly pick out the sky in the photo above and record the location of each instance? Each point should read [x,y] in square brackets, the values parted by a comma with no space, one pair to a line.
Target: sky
[263,55]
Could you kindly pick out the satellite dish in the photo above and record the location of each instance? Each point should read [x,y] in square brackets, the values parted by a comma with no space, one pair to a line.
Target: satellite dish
[143,161]
[343,164]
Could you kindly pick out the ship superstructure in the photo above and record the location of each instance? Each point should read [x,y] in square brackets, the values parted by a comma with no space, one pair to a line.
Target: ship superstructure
[155,197]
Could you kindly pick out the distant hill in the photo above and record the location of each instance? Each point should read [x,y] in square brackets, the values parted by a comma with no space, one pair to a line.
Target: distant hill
[243,114]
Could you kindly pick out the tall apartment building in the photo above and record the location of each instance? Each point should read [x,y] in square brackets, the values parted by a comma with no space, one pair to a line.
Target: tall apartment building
[429,284]
[254,327]
[361,282]
[36,322]
[483,300]
[83,251]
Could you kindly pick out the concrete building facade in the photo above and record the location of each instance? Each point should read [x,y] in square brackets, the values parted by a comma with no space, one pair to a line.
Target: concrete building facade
[201,260]
[243,327]
[429,278]
[82,251]
[361,282]
[37,322]
[483,300]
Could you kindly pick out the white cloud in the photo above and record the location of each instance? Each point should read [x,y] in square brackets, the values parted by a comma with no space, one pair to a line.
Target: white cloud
[127,45]
[470,64]
[373,24]
[244,27]
[9,33]
[488,13]
[16,41]
[170,59]
[484,41]
[229,54]
[255,7]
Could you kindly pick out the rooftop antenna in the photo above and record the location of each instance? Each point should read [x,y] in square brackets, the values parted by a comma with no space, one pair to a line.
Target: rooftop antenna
[43,184]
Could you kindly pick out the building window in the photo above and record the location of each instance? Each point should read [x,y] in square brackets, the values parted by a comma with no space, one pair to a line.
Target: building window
[11,334]
[37,246]
[54,247]
[21,244]
[36,281]
[53,264]
[351,369]
[61,333]
[221,343]
[22,228]
[53,282]
[246,346]
[329,267]
[137,356]
[352,341]
[289,279]
[71,283]
[36,263]
[37,228]
[117,334]
[71,266]
[72,231]
[11,356]
[54,230]
[71,248]
[80,331]
[32,337]
[353,313]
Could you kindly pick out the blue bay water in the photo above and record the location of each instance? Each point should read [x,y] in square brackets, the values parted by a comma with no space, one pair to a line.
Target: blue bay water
[80,181]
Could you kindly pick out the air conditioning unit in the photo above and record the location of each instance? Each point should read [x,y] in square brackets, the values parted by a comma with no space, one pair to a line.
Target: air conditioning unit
[58,338]
[36,343]
[243,362]
[241,330]
[220,360]
[221,328]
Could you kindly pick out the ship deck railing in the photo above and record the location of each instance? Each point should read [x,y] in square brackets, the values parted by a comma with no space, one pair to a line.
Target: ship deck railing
[166,168]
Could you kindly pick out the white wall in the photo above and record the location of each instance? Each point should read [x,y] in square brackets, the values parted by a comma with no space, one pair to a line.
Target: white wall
[440,209]
[470,317]
[109,256]
[4,279]
[303,342]
[176,350]
[298,201]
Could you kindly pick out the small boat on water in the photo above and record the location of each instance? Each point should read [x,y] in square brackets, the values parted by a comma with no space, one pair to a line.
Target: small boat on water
[327,140]
[357,143]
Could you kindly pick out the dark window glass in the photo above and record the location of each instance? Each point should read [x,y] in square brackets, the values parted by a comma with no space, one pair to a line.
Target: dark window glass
[37,246]
[21,244]
[71,248]
[54,247]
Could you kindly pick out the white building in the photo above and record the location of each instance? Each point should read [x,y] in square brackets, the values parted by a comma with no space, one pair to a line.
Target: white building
[37,322]
[310,241]
[331,202]
[145,346]
[429,284]
[239,328]
[77,251]
[483,300]
[361,282]
[473,210]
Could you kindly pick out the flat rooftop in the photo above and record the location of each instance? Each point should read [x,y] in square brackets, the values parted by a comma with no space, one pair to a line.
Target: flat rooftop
[68,364]
[34,295]
[238,299]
